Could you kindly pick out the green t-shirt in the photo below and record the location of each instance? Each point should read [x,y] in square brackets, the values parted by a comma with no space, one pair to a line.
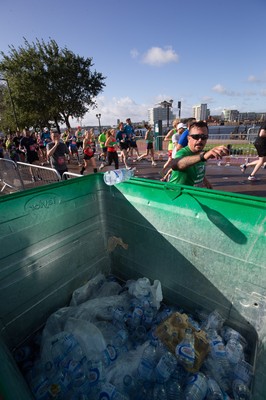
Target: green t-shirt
[102,139]
[193,175]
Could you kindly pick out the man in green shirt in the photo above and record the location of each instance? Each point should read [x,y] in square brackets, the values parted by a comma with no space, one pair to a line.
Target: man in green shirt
[189,164]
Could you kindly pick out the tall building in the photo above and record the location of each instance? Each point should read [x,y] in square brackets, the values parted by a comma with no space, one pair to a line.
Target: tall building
[230,115]
[200,112]
[160,113]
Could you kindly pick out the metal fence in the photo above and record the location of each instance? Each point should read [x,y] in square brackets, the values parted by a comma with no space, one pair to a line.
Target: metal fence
[9,176]
[19,176]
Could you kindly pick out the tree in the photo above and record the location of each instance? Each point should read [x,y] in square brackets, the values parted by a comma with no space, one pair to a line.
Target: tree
[48,84]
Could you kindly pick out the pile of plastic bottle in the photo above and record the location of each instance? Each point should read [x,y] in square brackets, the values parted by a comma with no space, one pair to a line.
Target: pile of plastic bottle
[104,346]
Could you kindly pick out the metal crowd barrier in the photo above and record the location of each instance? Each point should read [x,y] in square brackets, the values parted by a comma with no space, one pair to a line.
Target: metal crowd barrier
[35,175]
[9,176]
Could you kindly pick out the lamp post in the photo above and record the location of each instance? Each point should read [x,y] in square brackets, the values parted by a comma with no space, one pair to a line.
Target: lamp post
[179,109]
[167,105]
[99,120]
[11,100]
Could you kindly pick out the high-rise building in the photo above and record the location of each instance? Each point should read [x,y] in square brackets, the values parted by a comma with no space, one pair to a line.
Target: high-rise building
[160,113]
[200,112]
[230,115]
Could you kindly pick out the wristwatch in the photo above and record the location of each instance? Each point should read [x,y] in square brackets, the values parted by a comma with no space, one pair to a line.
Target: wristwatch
[202,156]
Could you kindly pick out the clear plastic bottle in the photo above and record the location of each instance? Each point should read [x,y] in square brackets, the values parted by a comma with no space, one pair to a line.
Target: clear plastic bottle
[173,389]
[117,176]
[214,392]
[240,390]
[148,362]
[196,387]
[234,351]
[185,350]
[159,392]
[165,367]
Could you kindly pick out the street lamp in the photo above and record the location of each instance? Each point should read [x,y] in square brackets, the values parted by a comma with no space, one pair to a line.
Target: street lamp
[99,120]
[11,100]
[167,105]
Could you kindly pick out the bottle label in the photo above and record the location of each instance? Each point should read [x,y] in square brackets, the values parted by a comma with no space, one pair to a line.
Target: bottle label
[186,353]
[110,354]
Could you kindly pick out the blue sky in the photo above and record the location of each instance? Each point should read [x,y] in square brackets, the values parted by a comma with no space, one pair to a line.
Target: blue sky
[191,51]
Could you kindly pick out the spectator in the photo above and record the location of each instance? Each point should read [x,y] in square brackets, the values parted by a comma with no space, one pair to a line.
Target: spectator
[56,151]
[28,145]
[189,163]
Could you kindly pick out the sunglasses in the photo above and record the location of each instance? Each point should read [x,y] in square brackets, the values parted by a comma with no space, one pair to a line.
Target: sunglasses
[201,136]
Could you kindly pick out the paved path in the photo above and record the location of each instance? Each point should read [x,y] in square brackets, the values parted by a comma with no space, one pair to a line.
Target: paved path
[226,177]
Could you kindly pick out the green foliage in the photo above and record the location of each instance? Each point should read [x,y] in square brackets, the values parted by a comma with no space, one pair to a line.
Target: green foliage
[48,84]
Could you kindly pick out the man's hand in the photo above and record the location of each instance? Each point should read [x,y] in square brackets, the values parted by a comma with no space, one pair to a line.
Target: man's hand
[217,152]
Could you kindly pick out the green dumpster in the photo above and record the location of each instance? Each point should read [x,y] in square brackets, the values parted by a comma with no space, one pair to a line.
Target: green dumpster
[207,248]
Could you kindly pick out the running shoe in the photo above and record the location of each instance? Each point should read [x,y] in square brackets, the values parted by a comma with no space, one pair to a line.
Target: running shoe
[243,167]
[128,168]
[253,178]
[153,164]
[101,166]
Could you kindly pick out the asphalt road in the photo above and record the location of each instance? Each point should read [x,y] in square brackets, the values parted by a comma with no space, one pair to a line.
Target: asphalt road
[225,177]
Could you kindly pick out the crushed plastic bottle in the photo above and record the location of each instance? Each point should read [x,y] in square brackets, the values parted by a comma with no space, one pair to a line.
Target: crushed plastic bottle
[196,387]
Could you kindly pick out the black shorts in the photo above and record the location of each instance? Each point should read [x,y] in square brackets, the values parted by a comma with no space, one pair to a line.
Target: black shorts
[86,157]
[104,149]
[149,146]
[133,144]
[123,146]
[260,145]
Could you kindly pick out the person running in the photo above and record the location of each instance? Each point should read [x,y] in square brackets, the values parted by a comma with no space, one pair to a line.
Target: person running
[260,145]
[88,151]
[73,148]
[112,155]
[129,130]
[103,150]
[168,138]
[122,140]
[175,138]
[149,142]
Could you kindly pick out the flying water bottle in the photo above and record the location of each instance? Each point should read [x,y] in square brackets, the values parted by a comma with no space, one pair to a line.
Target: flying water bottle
[117,176]
[185,350]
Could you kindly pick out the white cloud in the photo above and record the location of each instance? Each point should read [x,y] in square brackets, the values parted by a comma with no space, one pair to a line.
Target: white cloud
[218,88]
[156,56]
[253,79]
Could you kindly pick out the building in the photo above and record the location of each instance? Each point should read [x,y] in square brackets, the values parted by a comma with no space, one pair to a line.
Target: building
[200,112]
[160,113]
[230,115]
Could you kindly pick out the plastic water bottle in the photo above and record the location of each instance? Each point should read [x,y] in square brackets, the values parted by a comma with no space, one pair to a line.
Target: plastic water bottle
[159,392]
[234,351]
[165,367]
[117,176]
[173,389]
[196,387]
[148,362]
[240,390]
[185,350]
[214,392]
